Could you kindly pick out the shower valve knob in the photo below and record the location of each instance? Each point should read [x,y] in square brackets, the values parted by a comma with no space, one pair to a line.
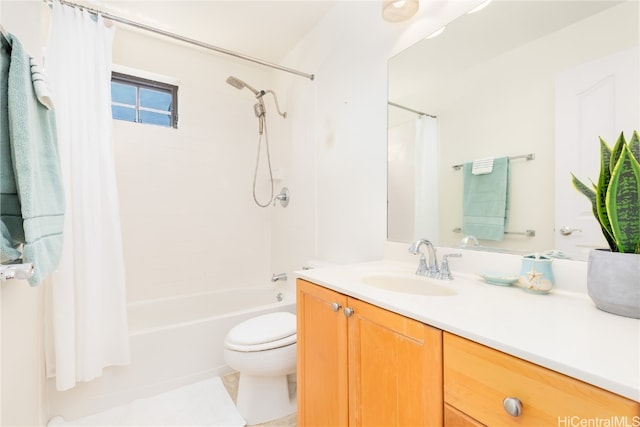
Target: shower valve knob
[283,197]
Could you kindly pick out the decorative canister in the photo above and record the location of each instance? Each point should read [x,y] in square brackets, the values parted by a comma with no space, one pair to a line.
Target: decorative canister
[536,274]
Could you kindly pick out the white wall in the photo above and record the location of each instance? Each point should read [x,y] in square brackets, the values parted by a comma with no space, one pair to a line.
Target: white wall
[348,52]
[188,216]
[22,321]
[330,152]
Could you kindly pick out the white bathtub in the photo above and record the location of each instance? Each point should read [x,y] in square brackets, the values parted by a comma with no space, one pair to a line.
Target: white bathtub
[174,341]
[152,315]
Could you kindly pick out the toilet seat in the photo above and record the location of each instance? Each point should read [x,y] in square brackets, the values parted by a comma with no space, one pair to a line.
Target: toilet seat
[290,340]
[266,332]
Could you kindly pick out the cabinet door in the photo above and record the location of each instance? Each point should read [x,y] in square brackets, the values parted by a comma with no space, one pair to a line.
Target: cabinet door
[395,376]
[322,357]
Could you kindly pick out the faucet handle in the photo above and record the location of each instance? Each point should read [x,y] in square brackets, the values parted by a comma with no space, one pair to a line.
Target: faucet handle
[445,272]
[423,269]
[283,196]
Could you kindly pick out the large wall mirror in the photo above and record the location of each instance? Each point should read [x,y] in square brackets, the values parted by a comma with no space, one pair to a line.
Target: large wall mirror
[535,81]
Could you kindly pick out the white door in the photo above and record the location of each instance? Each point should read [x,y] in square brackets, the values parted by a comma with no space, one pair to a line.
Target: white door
[598,99]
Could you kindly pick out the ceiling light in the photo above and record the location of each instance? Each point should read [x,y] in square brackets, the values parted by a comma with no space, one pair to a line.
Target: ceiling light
[399,10]
[480,6]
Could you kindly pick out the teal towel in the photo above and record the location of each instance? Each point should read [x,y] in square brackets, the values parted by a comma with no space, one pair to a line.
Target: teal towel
[8,251]
[485,201]
[35,164]
[10,214]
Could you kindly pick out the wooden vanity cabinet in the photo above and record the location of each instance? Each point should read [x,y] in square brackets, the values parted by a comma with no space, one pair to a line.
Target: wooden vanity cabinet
[361,365]
[477,379]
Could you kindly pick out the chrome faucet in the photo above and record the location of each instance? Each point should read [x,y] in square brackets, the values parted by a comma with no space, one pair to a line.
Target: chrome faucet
[468,240]
[276,277]
[426,267]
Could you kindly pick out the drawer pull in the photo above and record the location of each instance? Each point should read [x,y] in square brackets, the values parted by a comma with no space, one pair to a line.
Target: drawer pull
[335,306]
[349,311]
[513,406]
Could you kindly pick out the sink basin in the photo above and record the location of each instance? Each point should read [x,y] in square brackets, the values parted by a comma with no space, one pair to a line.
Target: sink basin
[408,284]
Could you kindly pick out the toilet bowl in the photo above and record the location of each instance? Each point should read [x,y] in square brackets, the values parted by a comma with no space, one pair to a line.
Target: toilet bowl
[263,350]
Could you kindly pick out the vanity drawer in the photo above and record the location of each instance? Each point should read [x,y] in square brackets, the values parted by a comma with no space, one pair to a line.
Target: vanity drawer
[455,418]
[477,379]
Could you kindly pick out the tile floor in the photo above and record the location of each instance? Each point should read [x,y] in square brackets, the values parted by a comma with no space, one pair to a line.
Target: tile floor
[231,384]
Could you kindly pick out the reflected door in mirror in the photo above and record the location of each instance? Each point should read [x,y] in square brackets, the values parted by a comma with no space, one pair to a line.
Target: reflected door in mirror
[601,98]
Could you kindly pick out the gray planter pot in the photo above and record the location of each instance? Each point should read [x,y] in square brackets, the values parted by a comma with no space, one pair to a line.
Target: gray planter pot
[613,282]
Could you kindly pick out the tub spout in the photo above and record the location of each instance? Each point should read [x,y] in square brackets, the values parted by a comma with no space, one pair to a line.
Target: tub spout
[281,276]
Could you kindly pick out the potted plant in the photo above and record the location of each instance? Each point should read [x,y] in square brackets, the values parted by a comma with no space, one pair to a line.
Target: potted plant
[613,276]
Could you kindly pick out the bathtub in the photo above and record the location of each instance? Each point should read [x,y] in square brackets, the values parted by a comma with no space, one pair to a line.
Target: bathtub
[179,312]
[173,342]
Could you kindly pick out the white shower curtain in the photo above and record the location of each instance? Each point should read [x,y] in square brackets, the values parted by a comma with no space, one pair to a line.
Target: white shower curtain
[85,298]
[426,179]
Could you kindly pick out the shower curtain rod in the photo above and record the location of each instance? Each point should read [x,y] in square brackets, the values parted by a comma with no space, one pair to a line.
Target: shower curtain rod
[184,39]
[393,104]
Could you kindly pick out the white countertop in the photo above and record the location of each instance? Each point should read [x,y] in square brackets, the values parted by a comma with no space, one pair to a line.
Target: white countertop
[562,331]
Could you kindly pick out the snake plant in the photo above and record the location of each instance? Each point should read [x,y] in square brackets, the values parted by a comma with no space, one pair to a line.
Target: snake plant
[615,199]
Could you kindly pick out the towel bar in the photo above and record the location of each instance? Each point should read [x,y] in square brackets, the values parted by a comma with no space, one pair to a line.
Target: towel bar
[528,233]
[530,156]
[16,271]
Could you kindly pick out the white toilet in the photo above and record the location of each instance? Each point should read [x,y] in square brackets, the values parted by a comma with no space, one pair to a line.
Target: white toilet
[263,350]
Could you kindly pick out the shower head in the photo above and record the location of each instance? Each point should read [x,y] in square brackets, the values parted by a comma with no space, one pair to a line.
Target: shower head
[239,84]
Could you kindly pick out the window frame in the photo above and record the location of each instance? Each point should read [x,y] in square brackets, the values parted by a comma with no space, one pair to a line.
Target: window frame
[144,83]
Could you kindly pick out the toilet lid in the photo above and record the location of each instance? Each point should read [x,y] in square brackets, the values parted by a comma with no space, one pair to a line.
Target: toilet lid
[272,345]
[271,330]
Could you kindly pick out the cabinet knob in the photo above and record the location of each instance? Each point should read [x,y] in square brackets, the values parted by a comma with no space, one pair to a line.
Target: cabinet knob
[513,406]
[335,306]
[349,311]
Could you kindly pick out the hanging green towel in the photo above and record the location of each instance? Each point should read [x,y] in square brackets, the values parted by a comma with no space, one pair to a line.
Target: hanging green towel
[485,201]
[10,214]
[31,171]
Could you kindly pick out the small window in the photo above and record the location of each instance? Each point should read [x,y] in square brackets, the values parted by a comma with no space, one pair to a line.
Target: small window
[139,100]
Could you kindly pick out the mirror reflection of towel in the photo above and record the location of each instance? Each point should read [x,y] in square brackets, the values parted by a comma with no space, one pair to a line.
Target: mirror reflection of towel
[485,201]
